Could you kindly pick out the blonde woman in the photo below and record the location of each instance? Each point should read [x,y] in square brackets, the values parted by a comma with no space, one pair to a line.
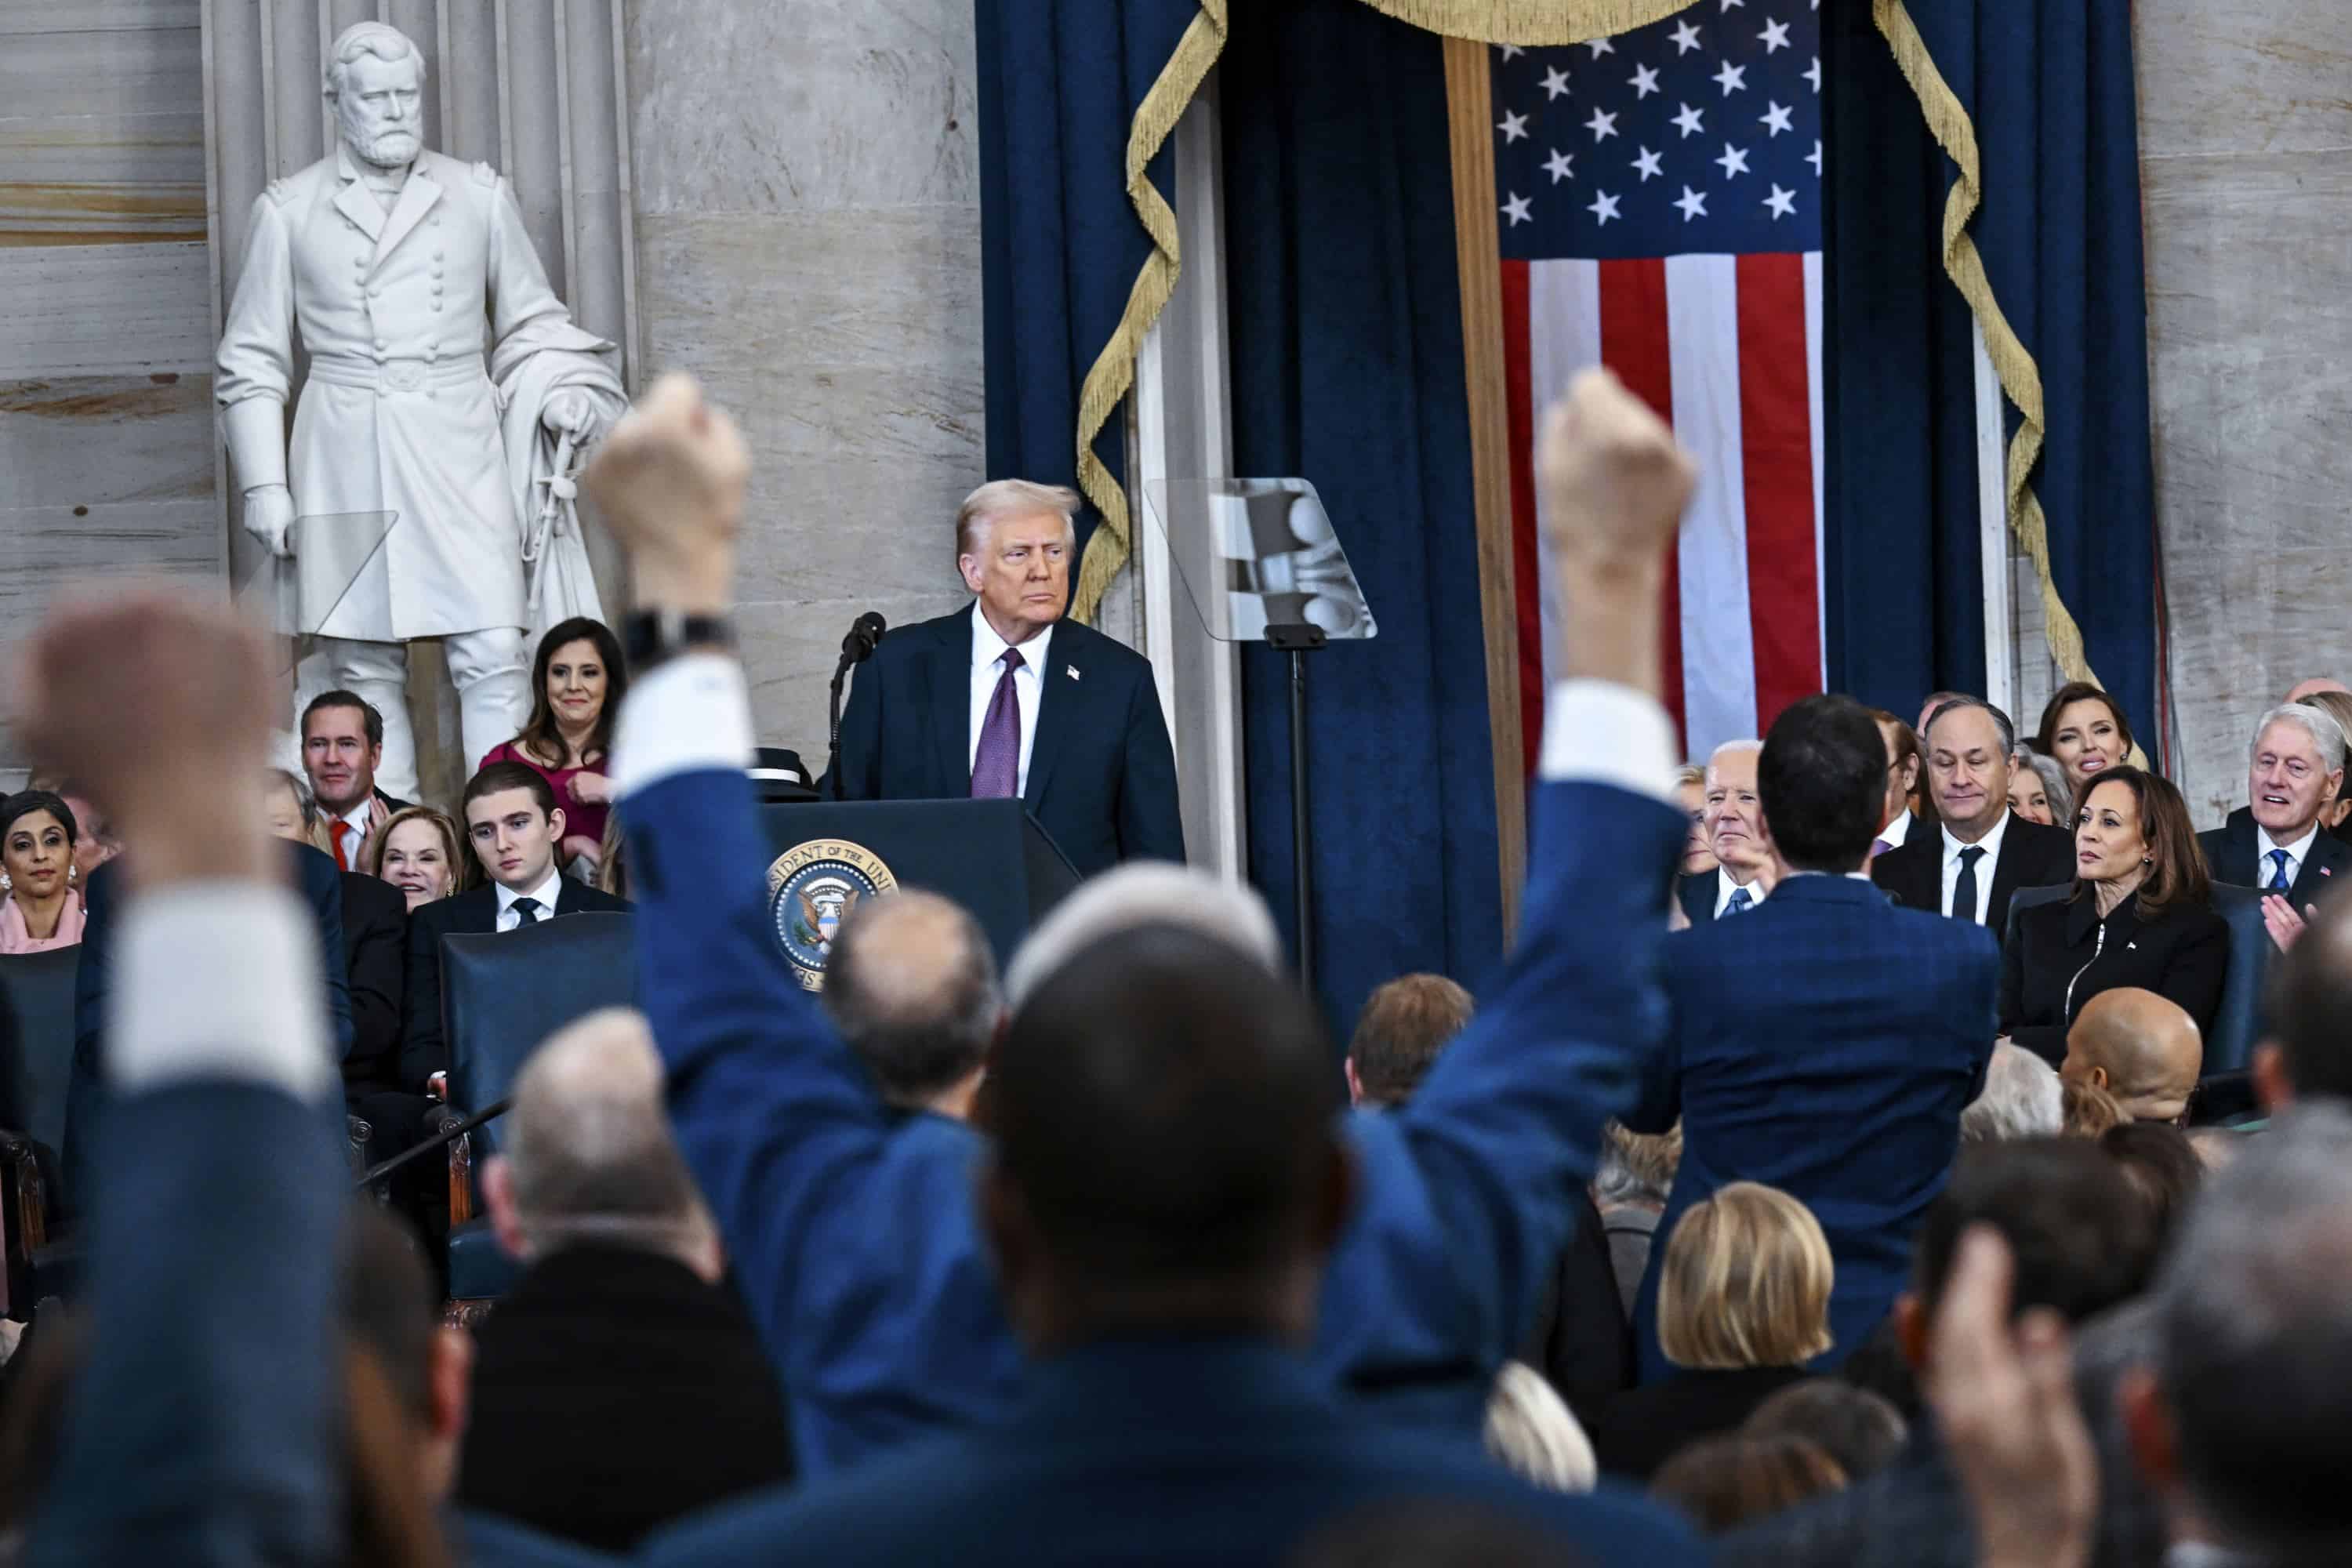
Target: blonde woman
[1743,1304]
[416,850]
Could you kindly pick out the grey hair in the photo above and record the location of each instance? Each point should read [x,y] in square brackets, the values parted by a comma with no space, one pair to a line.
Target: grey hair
[304,801]
[921,1006]
[2054,785]
[382,39]
[2254,1338]
[2023,1098]
[1749,744]
[1144,894]
[2318,724]
[2002,721]
[1536,1435]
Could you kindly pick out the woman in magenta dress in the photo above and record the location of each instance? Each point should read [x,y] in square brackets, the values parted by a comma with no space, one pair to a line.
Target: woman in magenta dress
[577,684]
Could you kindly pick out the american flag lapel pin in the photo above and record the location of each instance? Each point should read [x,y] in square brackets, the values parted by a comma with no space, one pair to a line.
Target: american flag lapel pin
[1071,670]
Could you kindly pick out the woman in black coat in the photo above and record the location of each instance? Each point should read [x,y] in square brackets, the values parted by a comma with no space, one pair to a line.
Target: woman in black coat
[2139,916]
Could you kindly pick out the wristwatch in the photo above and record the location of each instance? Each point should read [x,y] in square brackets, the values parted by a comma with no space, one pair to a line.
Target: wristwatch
[650,636]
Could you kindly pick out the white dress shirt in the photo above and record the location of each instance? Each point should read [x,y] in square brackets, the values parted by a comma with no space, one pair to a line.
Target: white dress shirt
[1893,834]
[1990,845]
[1722,891]
[2265,844]
[547,892]
[1028,686]
[356,819]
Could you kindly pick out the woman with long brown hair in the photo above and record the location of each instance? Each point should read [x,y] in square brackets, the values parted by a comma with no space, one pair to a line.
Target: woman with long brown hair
[576,685]
[2139,915]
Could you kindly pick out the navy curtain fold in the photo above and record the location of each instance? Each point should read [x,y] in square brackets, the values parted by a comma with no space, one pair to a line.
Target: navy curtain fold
[1060,241]
[1346,333]
[2049,91]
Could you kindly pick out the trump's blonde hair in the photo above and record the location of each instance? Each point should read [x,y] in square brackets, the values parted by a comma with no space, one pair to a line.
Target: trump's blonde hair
[1745,1282]
[1000,500]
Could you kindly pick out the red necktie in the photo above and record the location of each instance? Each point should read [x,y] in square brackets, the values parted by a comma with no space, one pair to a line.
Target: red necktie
[342,861]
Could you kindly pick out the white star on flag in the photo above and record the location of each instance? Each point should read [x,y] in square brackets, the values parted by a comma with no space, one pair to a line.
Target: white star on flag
[1515,209]
[1776,120]
[1647,165]
[1692,120]
[1644,82]
[1693,204]
[1555,82]
[1560,165]
[1513,127]
[1604,209]
[1814,75]
[1685,38]
[1732,79]
[1774,37]
[1601,46]
[1816,159]
[1512,50]
[1602,126]
[1734,160]
[1728,4]
[1782,203]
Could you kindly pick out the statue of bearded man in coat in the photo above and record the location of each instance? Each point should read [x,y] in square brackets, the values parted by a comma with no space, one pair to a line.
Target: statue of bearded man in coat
[400,268]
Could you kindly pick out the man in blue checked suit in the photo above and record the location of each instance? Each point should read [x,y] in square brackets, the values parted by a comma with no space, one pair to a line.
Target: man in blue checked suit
[852,1227]
[1826,1042]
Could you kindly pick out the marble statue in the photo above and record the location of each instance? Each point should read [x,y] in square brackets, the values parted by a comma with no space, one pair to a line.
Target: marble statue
[399,268]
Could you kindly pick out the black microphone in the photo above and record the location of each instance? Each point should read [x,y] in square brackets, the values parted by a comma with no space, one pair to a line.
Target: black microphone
[855,648]
[864,633]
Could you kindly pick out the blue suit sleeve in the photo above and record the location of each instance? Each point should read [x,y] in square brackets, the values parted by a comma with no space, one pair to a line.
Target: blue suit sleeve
[1505,1129]
[1151,822]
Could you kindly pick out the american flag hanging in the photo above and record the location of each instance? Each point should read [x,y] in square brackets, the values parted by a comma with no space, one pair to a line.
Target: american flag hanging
[1661,199]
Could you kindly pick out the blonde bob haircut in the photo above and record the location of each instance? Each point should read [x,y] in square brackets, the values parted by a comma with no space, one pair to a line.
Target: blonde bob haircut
[1000,500]
[1745,1282]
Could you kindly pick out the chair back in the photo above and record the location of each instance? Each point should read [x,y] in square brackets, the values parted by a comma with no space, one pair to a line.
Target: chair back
[503,994]
[2237,1022]
[2026,899]
[39,988]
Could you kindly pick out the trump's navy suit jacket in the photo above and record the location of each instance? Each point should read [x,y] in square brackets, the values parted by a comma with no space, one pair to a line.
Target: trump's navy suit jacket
[1102,777]
[1206,1450]
[1823,1044]
[851,1227]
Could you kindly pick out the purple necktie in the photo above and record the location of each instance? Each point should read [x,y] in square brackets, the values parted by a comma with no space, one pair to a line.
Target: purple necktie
[996,766]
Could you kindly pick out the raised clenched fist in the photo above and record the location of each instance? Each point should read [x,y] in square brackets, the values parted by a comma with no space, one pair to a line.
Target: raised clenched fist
[1614,481]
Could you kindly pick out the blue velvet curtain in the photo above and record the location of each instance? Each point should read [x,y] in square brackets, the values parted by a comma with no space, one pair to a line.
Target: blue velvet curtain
[2050,92]
[1346,333]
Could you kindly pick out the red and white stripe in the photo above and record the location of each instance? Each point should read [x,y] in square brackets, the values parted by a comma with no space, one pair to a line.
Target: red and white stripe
[1728,349]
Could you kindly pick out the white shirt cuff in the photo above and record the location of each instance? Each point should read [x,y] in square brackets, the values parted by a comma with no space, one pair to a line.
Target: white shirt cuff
[219,980]
[690,715]
[1596,731]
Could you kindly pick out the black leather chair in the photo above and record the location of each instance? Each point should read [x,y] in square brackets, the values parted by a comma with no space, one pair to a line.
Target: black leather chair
[503,994]
[2237,1022]
[38,990]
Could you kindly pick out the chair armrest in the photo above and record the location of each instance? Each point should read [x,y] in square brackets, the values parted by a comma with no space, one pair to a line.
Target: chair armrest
[461,1161]
[24,1213]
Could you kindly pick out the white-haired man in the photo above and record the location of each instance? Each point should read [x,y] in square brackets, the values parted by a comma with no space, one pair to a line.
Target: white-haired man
[1734,817]
[2275,843]
[1004,699]
[398,267]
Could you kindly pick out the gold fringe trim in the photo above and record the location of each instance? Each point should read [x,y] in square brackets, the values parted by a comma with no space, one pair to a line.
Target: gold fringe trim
[1531,23]
[1113,371]
[2021,378]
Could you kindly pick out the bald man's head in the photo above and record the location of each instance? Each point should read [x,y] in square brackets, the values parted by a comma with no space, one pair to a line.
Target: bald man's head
[911,984]
[2142,1049]
[2318,683]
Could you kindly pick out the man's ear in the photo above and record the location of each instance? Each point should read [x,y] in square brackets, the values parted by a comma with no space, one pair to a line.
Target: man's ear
[969,565]
[555,825]
[2274,1090]
[450,1377]
[2099,1077]
[1355,1084]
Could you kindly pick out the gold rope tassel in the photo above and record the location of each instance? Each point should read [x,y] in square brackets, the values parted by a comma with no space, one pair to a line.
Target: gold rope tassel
[2021,378]
[1530,23]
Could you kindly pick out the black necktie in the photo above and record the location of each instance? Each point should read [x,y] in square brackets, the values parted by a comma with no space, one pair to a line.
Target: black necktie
[1964,889]
[525,912]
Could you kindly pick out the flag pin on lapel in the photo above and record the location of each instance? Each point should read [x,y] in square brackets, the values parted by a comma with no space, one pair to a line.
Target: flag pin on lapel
[1071,670]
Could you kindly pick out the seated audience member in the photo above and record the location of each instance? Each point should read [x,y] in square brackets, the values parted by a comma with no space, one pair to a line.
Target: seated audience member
[2305,691]
[290,810]
[1168,1247]
[1695,879]
[2139,917]
[2306,1053]
[515,827]
[1536,1434]
[1878,1366]
[2021,1099]
[1636,1175]
[2163,1167]
[391,1306]
[40,903]
[618,1385]
[1827,1047]
[1982,853]
[1743,1304]
[577,683]
[2241,1423]
[1404,1023]
[2037,788]
[2141,1048]
[1896,820]
[2086,1110]
[416,851]
[1728,1481]
[1735,839]
[911,985]
[342,743]
[613,859]
[374,937]
[1861,1430]
[2085,731]
[2337,705]
[94,840]
[2081,1241]
[2295,770]
[860,1252]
